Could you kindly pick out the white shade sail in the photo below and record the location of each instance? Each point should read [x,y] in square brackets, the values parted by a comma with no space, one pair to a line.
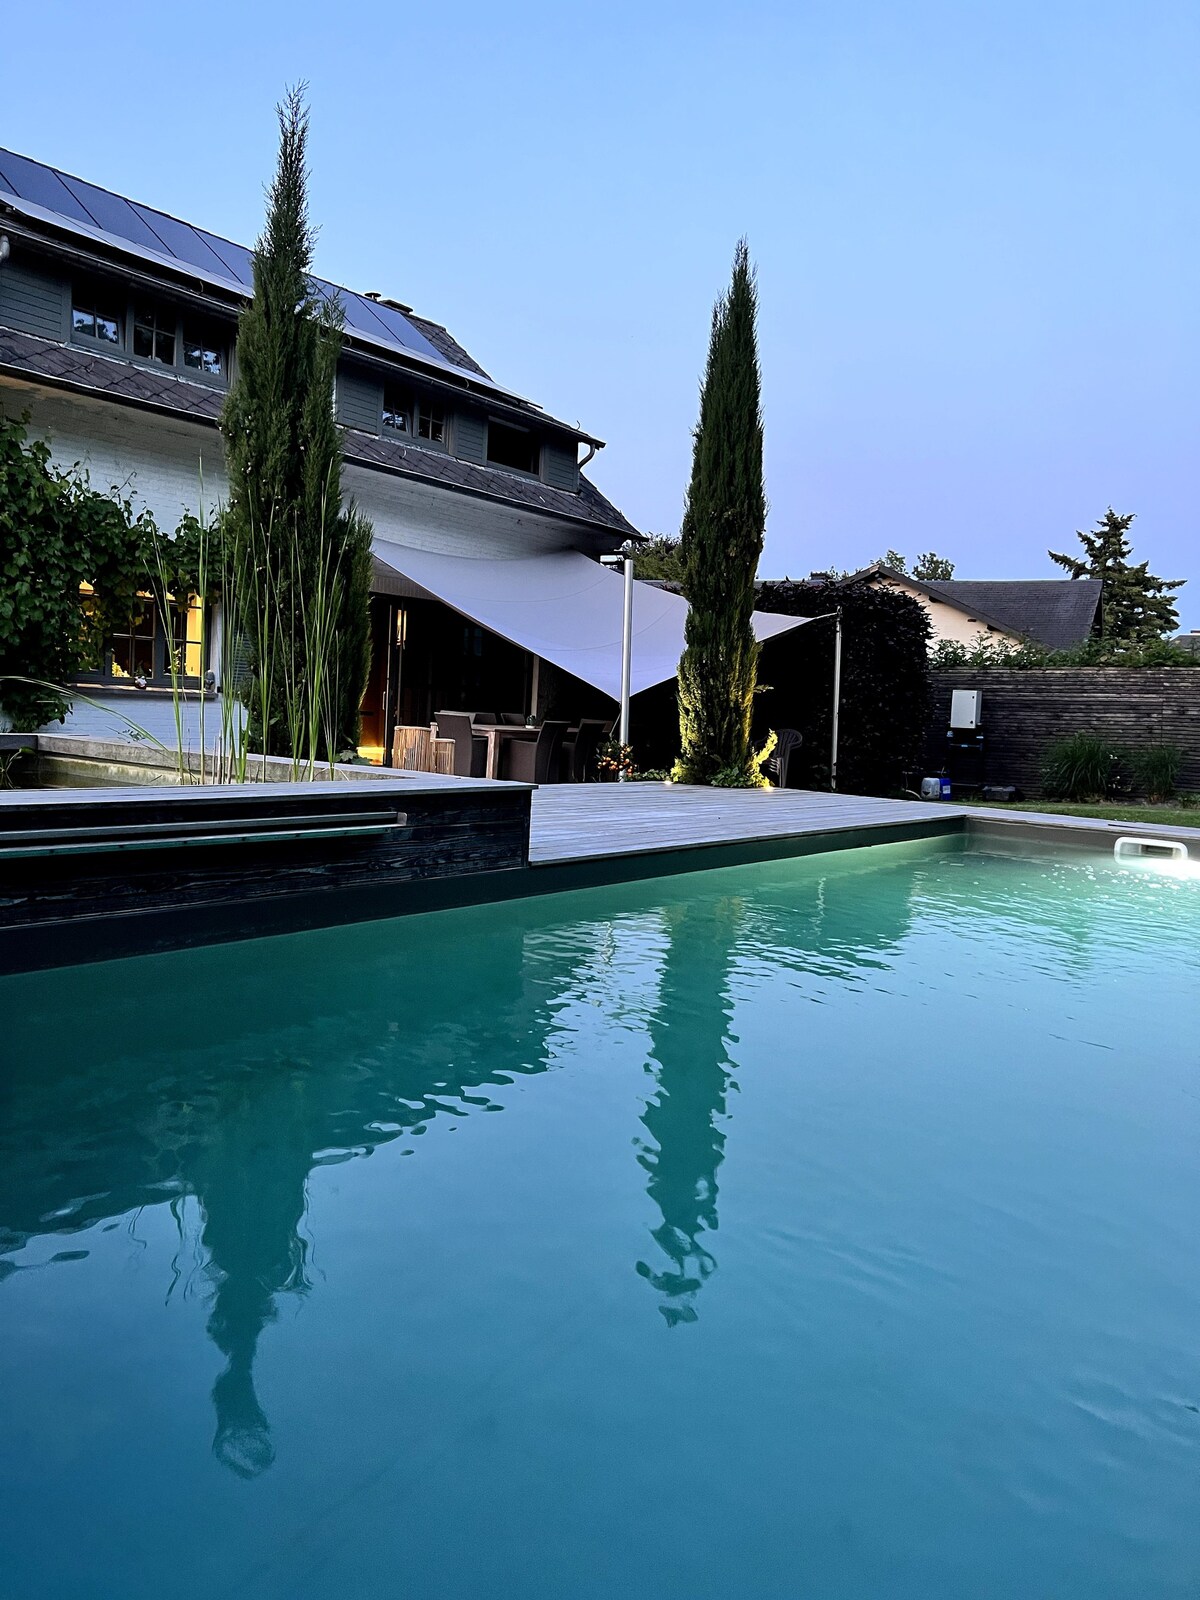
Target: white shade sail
[565,608]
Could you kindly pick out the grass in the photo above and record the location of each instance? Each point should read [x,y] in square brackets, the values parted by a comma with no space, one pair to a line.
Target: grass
[1108,811]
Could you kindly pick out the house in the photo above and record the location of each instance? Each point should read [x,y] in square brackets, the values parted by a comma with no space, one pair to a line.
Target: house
[117,334]
[1058,613]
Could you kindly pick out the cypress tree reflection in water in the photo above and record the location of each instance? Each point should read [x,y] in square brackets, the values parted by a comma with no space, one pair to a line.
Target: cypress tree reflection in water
[250,1177]
[115,1132]
[692,1073]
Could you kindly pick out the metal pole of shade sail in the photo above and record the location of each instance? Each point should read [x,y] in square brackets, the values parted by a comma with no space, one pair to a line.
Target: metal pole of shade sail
[837,699]
[836,617]
[626,650]
[624,561]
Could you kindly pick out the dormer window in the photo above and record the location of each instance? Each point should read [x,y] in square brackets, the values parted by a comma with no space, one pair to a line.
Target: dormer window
[397,411]
[164,335]
[151,331]
[203,348]
[431,422]
[414,416]
[512,447]
[154,334]
[96,315]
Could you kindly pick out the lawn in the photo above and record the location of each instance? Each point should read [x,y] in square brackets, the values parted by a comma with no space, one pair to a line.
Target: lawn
[1128,811]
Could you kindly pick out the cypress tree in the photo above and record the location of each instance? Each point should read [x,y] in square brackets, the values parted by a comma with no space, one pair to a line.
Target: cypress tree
[720,542]
[302,562]
[1136,605]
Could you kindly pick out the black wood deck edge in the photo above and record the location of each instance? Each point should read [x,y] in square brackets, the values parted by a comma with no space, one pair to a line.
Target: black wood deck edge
[116,935]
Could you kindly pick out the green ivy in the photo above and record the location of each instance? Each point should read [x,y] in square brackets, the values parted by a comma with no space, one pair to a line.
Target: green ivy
[56,533]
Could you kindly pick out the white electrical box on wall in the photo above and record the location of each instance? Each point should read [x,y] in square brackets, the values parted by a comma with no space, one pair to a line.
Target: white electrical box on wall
[966,708]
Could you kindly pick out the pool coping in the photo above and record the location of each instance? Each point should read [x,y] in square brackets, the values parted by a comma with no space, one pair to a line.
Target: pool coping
[150,930]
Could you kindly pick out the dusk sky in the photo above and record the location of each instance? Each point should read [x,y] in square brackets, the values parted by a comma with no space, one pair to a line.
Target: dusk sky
[976,227]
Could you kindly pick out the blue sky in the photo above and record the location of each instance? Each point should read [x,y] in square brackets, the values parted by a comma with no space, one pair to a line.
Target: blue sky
[976,226]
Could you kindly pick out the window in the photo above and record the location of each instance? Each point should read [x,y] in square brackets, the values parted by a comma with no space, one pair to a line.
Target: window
[414,416]
[154,334]
[131,652]
[156,640]
[513,447]
[397,411]
[158,331]
[187,636]
[203,348]
[96,314]
[431,422]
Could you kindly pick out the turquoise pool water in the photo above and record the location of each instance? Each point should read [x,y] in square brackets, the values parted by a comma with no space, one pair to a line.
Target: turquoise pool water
[822,1228]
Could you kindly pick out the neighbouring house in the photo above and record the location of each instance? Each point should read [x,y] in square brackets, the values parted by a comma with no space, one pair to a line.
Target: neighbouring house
[1055,612]
[117,336]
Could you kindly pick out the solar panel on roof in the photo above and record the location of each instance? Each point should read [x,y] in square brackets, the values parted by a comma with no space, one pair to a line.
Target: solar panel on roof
[378,322]
[360,316]
[239,262]
[41,186]
[182,240]
[112,213]
[397,326]
[142,229]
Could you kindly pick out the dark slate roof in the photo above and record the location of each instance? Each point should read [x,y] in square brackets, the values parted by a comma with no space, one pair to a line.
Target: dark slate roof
[1055,612]
[588,505]
[48,362]
[63,363]
[444,342]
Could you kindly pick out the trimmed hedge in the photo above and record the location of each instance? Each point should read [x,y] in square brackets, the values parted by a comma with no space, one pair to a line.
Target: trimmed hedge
[885,684]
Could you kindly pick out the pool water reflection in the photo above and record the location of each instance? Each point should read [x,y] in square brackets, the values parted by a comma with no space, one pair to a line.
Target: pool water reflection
[818,1227]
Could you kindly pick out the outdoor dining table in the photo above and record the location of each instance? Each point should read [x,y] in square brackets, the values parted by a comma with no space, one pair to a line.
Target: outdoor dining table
[496,733]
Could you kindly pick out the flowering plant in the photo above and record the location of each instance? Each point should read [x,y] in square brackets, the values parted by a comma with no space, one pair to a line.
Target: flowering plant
[614,760]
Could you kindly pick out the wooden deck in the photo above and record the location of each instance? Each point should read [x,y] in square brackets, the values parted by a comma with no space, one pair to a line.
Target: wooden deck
[599,821]
[593,822]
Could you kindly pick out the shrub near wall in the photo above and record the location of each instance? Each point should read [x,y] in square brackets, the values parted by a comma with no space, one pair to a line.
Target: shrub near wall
[885,684]
[1025,711]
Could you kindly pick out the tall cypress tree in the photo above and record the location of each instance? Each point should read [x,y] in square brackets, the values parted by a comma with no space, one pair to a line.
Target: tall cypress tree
[721,541]
[1136,605]
[302,562]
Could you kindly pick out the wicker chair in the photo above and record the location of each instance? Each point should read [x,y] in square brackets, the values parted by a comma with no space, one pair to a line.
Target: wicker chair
[579,753]
[470,752]
[536,760]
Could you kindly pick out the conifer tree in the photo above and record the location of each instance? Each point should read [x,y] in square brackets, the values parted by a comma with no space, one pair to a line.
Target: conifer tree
[721,541]
[1136,605]
[302,561]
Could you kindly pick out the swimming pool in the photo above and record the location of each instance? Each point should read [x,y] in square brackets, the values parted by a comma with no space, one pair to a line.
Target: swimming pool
[821,1227]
